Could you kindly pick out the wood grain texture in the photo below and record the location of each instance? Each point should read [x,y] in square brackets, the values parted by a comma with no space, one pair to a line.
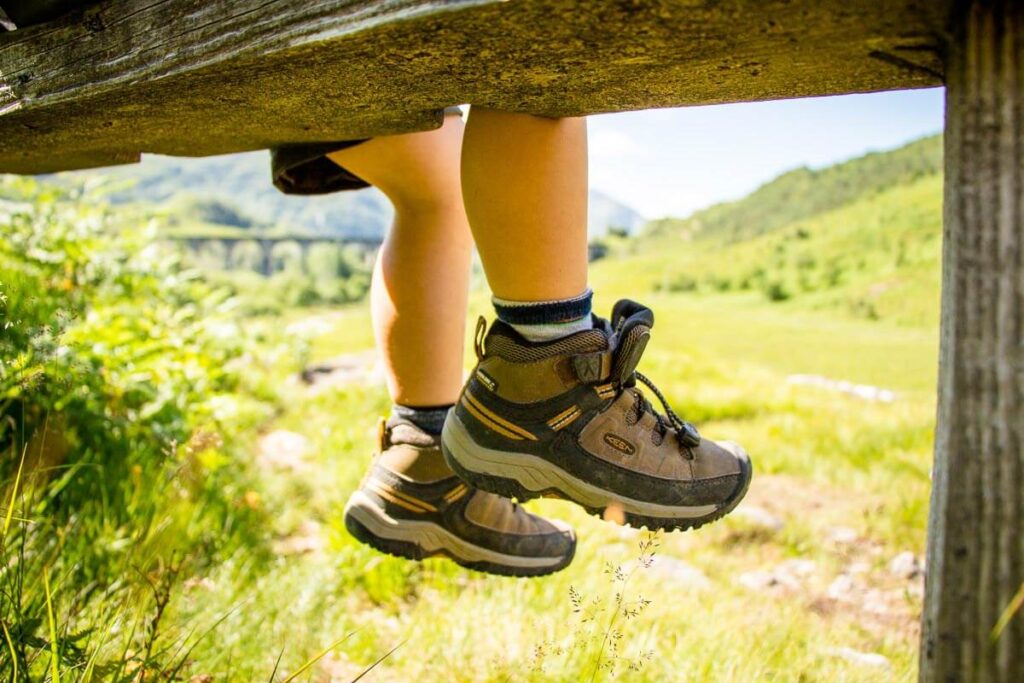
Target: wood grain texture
[976,534]
[193,77]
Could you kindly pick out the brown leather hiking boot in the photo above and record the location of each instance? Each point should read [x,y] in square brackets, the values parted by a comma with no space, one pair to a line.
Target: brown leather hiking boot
[410,504]
[566,418]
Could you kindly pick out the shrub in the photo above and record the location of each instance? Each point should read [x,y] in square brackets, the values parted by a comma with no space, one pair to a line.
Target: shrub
[776,290]
[117,394]
[683,283]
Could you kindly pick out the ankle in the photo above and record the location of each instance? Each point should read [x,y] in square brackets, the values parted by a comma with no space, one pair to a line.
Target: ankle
[543,321]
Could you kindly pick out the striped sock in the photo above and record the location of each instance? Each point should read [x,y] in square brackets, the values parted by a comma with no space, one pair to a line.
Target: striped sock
[430,420]
[544,321]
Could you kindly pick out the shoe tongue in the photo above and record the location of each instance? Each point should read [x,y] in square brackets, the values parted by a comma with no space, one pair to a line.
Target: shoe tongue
[632,323]
[628,312]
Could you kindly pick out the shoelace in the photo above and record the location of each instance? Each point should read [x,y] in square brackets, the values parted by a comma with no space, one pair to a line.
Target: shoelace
[685,432]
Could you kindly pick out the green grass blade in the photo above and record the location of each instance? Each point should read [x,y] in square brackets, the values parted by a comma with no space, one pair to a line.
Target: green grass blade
[90,665]
[277,665]
[1004,620]
[184,658]
[379,660]
[14,496]
[320,656]
[14,655]
[54,655]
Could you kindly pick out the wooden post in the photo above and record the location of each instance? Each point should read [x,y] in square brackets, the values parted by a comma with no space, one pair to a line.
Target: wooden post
[976,531]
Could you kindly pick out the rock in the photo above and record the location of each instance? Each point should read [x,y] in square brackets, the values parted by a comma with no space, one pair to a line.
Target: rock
[758,517]
[878,602]
[841,589]
[282,449]
[906,565]
[680,572]
[307,539]
[364,368]
[859,568]
[872,659]
[785,577]
[767,581]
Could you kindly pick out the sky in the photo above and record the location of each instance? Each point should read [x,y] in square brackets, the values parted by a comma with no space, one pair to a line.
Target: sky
[671,162]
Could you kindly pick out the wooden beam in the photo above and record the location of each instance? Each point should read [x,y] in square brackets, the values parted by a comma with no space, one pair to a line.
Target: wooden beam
[976,531]
[193,77]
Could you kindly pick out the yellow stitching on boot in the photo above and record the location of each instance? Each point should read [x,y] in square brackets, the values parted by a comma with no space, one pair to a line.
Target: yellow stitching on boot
[500,420]
[456,493]
[567,421]
[383,488]
[456,490]
[487,421]
[397,501]
[561,416]
[413,500]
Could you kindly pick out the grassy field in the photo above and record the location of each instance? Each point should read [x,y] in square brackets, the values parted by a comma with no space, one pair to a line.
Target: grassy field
[792,587]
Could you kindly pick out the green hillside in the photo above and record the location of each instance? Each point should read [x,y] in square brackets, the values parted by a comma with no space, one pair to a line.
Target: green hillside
[200,195]
[862,236]
[803,193]
[234,190]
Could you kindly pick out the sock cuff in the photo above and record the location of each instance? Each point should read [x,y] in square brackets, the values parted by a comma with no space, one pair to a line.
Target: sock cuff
[543,312]
[429,419]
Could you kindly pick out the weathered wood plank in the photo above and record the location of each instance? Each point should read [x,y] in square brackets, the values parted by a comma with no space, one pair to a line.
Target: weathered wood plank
[976,531]
[191,77]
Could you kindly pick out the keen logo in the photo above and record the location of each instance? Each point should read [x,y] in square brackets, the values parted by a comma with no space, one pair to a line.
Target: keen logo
[486,380]
[619,444]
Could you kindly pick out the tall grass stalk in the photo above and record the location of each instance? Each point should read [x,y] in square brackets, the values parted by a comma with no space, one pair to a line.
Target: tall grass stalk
[309,663]
[54,653]
[10,647]
[14,496]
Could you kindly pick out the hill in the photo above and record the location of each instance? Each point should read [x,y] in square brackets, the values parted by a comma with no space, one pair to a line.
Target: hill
[863,236]
[235,190]
[804,192]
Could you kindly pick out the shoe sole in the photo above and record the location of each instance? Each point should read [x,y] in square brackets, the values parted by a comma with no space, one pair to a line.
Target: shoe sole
[524,476]
[418,540]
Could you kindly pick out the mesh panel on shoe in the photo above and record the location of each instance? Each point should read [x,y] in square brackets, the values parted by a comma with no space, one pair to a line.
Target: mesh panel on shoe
[515,351]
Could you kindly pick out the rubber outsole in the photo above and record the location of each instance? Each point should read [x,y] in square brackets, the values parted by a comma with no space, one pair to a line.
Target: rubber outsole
[411,551]
[612,511]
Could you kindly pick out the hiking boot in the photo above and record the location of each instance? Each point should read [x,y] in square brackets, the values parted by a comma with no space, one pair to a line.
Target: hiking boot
[410,504]
[566,418]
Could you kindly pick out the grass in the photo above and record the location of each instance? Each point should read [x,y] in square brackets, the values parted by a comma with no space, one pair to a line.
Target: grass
[826,462]
[828,466]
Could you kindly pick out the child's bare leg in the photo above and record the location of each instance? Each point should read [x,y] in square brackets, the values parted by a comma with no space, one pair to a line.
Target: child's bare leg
[525,183]
[421,279]
[553,406]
